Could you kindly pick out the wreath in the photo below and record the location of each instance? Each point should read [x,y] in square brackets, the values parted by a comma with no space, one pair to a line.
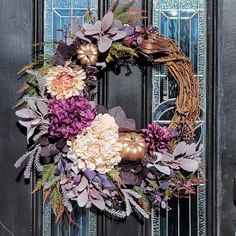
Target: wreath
[88,155]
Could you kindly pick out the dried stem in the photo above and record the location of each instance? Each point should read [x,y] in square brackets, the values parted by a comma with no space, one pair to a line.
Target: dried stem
[166,51]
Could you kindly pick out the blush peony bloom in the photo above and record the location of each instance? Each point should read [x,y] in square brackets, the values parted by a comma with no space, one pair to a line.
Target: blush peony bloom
[63,82]
[68,117]
[97,148]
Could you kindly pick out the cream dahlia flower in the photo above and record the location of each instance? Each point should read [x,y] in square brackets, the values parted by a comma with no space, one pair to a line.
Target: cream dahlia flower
[98,147]
[63,82]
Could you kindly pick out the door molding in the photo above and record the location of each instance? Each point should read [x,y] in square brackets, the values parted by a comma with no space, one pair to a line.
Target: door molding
[106,227]
[211,117]
[37,36]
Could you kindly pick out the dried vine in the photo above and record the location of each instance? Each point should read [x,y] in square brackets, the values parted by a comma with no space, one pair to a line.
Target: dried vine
[165,50]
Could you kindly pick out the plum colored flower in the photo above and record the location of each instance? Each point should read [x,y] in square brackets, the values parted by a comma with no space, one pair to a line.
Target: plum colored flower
[157,138]
[68,117]
[97,148]
[63,82]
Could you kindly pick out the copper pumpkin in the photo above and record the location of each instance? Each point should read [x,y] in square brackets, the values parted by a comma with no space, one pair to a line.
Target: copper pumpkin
[133,146]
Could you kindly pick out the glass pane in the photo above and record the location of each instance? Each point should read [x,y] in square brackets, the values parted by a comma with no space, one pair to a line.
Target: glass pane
[61,15]
[85,220]
[184,21]
[59,18]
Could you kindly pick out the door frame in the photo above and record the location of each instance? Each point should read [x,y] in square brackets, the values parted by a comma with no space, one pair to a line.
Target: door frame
[37,49]
[212,164]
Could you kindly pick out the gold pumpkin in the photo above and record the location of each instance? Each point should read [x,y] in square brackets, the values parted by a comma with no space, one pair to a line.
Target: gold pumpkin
[87,54]
[133,146]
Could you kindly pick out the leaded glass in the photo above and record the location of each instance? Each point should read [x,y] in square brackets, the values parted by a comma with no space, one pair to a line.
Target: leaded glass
[59,18]
[61,15]
[184,21]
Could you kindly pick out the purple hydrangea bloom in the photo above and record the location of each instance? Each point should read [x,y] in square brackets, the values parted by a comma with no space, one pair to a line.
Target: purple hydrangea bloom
[68,117]
[157,138]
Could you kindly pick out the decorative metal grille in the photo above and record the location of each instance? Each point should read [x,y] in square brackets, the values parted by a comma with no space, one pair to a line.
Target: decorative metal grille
[184,21]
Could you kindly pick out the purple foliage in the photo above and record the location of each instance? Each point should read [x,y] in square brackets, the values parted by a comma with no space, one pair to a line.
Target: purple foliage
[120,117]
[63,53]
[133,37]
[133,174]
[86,188]
[101,179]
[68,117]
[103,32]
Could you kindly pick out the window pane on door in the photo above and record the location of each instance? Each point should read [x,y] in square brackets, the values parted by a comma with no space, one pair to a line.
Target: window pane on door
[184,21]
[61,17]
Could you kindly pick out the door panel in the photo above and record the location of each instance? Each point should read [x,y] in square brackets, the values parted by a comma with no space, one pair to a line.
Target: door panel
[59,18]
[184,21]
[15,51]
[133,94]
[129,92]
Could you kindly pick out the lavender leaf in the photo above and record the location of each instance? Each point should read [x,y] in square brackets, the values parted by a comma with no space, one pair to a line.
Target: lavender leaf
[97,199]
[167,157]
[180,149]
[113,31]
[92,29]
[31,104]
[43,107]
[95,194]
[129,30]
[120,118]
[104,43]
[83,184]
[107,21]
[118,113]
[101,109]
[35,122]
[191,149]
[163,169]
[81,36]
[26,124]
[82,198]
[25,113]
[119,35]
[188,164]
[118,24]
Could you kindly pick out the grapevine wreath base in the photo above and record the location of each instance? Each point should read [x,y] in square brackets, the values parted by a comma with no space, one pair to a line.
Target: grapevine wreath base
[92,156]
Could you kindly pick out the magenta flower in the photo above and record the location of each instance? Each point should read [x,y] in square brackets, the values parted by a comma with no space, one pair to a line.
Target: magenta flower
[157,138]
[68,117]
